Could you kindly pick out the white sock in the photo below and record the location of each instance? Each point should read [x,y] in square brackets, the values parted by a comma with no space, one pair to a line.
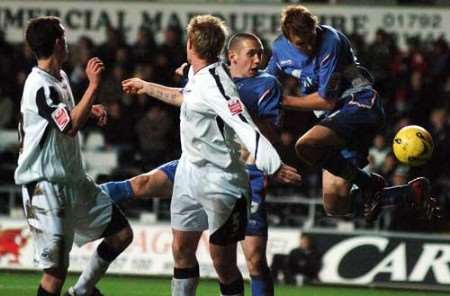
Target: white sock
[95,269]
[184,287]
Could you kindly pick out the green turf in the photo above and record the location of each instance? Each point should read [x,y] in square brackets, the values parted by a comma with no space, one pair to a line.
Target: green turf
[24,284]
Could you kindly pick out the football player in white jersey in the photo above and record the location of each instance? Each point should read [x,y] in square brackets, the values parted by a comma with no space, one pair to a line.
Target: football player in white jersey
[211,183]
[62,204]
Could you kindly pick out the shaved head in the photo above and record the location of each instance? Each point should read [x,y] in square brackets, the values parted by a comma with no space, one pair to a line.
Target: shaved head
[235,42]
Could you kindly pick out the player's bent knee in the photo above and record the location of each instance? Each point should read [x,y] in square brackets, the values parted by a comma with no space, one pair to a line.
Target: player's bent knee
[308,151]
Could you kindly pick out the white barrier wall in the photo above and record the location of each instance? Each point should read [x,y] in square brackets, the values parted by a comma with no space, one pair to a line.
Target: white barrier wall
[91,17]
[149,253]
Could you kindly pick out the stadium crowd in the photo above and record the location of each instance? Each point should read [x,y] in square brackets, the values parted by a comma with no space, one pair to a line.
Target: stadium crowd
[413,82]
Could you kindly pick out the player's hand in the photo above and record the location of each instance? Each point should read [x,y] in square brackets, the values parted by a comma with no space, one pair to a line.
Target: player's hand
[94,69]
[180,70]
[98,112]
[288,175]
[133,86]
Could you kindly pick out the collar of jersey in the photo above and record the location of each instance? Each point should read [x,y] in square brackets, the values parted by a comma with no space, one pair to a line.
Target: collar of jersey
[36,68]
[206,68]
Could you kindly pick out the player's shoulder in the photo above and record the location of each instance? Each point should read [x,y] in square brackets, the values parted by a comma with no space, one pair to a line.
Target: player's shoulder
[216,74]
[36,80]
[330,34]
[280,42]
[266,80]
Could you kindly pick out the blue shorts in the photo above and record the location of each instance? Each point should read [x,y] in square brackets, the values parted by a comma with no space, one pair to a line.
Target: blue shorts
[358,118]
[257,222]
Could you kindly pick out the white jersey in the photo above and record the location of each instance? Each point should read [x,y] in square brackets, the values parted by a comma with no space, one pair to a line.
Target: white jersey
[47,153]
[212,114]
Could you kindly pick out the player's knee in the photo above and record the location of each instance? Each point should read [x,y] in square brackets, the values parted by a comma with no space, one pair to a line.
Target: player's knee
[256,265]
[183,254]
[121,240]
[141,185]
[307,150]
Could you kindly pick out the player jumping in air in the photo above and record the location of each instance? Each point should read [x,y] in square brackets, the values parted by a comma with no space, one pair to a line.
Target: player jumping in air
[62,204]
[350,112]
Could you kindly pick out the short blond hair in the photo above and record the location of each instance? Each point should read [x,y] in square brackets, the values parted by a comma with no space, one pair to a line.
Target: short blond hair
[207,35]
[298,20]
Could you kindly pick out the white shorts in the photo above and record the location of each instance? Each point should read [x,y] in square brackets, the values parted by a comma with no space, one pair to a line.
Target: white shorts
[59,214]
[210,198]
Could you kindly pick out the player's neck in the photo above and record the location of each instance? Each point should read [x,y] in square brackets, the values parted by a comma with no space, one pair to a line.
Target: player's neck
[235,73]
[198,64]
[51,66]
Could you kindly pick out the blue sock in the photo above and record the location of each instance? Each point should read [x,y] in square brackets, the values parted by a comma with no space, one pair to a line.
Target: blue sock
[262,285]
[118,191]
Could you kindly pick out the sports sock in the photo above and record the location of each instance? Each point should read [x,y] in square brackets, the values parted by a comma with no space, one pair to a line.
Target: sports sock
[185,281]
[235,288]
[336,164]
[262,285]
[118,191]
[42,292]
[96,268]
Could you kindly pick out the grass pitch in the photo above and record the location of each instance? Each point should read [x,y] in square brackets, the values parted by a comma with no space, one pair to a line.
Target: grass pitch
[25,284]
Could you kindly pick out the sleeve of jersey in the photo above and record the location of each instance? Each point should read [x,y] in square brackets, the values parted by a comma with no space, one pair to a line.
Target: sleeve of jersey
[329,78]
[269,101]
[232,111]
[52,109]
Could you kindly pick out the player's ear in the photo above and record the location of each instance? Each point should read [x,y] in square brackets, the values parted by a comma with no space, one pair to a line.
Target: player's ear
[232,56]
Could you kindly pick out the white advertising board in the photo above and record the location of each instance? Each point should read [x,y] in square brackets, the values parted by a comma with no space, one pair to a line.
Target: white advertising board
[91,18]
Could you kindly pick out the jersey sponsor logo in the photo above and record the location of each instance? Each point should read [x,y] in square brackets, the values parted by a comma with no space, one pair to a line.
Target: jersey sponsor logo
[286,62]
[235,106]
[61,118]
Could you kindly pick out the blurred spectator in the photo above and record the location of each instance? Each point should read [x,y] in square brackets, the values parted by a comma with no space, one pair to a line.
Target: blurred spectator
[155,134]
[378,153]
[6,110]
[145,48]
[301,265]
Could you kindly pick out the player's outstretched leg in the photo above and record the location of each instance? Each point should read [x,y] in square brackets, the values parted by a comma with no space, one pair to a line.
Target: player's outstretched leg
[321,147]
[118,235]
[157,183]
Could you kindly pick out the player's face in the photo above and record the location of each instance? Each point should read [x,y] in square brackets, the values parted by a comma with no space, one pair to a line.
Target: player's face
[305,43]
[247,58]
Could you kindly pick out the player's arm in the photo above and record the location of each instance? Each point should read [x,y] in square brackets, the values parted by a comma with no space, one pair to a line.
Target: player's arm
[309,102]
[269,105]
[329,82]
[51,107]
[81,112]
[170,95]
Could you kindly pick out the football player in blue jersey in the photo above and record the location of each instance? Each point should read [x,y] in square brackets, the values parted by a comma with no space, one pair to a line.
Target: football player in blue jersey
[339,90]
[261,94]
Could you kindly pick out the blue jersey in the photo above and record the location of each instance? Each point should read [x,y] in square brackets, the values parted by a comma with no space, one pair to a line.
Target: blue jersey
[321,73]
[261,95]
